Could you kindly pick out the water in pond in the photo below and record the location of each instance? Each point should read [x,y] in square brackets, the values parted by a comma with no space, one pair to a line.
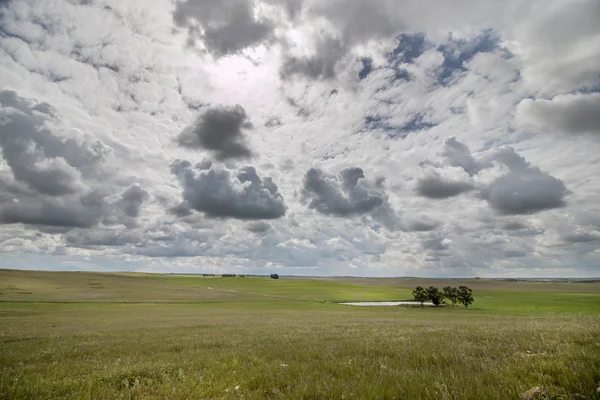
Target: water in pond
[386,303]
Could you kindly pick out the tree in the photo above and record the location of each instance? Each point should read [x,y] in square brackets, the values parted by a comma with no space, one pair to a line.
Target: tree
[465,296]
[420,295]
[451,293]
[434,295]
[274,276]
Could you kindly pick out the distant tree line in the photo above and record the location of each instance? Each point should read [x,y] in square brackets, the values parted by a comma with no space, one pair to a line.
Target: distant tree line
[463,295]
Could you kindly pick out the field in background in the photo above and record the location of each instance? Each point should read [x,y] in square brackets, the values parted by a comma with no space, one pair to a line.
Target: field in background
[138,336]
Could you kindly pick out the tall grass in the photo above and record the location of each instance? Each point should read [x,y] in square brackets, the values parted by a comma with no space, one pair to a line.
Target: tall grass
[308,352]
[252,338]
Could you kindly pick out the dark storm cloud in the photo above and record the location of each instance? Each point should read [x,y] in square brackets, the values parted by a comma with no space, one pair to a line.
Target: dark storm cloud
[219,129]
[434,187]
[341,196]
[220,193]
[225,26]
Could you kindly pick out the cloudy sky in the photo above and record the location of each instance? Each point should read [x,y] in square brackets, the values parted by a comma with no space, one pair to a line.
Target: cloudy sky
[307,137]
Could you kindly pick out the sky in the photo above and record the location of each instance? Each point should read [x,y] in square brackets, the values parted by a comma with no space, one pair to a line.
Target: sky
[302,137]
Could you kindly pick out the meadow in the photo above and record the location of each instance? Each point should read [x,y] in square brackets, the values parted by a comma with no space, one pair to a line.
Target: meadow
[80,335]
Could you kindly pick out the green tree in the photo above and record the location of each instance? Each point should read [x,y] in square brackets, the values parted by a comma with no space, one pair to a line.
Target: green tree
[465,296]
[451,293]
[434,295]
[420,295]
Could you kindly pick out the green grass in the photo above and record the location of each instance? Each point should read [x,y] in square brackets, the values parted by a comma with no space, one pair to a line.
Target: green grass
[287,339]
[536,302]
[310,290]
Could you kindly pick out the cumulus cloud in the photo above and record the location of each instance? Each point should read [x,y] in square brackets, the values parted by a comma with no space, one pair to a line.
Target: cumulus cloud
[54,180]
[344,195]
[132,199]
[320,65]
[224,27]
[520,188]
[571,114]
[435,187]
[258,227]
[87,168]
[525,192]
[559,44]
[350,23]
[37,157]
[219,130]
[222,193]
[350,194]
[524,189]
[85,211]
[457,154]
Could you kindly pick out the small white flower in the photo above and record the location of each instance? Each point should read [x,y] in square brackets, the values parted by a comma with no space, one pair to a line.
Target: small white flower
[237,387]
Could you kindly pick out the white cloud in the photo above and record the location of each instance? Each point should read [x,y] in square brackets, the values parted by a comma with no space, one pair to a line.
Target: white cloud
[451,139]
[559,43]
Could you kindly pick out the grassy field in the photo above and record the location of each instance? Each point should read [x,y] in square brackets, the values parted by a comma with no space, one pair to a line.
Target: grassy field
[127,336]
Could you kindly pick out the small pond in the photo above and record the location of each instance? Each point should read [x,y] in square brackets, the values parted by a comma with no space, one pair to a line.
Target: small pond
[386,303]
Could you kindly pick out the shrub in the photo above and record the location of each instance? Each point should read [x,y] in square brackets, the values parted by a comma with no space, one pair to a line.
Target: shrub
[274,276]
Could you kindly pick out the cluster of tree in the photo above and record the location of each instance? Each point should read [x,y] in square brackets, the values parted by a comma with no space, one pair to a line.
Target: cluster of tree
[274,276]
[228,275]
[463,295]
